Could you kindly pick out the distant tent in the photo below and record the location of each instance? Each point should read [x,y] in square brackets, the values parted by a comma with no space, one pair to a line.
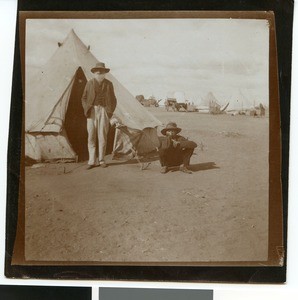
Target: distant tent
[179,96]
[212,103]
[240,100]
[54,121]
[209,98]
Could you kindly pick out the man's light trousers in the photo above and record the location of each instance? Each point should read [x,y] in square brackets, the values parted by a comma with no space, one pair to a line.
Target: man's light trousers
[97,127]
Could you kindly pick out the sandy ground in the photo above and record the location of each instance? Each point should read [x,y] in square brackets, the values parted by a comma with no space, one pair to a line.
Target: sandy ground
[123,214]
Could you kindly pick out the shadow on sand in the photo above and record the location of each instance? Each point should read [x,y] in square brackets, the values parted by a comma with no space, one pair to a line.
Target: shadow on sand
[203,166]
[197,167]
[148,159]
[194,168]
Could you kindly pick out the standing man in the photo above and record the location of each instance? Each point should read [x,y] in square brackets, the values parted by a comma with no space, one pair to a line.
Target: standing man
[175,150]
[99,102]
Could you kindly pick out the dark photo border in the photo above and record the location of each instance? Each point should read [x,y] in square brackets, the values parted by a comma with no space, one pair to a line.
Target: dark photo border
[283,12]
[12,292]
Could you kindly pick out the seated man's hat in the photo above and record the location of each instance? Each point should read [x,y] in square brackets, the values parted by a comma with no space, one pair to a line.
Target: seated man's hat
[170,126]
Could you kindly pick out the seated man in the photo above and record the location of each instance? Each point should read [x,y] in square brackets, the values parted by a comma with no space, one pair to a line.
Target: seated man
[175,150]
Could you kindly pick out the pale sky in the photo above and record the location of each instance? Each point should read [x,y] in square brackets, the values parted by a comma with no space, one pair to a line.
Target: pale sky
[160,56]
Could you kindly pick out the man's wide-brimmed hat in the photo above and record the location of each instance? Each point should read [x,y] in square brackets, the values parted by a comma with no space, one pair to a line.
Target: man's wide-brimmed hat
[100,67]
[170,126]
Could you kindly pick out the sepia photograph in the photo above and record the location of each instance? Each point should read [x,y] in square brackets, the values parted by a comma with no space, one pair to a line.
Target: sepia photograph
[149,139]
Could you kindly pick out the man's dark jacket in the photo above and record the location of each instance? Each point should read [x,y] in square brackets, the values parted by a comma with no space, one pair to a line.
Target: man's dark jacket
[107,96]
[166,143]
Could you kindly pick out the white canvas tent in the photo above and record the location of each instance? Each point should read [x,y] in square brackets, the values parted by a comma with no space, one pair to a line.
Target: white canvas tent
[179,96]
[210,103]
[240,100]
[55,126]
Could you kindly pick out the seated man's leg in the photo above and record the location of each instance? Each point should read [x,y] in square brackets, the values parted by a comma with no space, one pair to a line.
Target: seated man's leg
[162,157]
[187,153]
[170,157]
[175,157]
[163,160]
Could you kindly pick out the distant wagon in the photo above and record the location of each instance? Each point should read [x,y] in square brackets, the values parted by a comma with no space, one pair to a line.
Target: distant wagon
[148,102]
[172,104]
